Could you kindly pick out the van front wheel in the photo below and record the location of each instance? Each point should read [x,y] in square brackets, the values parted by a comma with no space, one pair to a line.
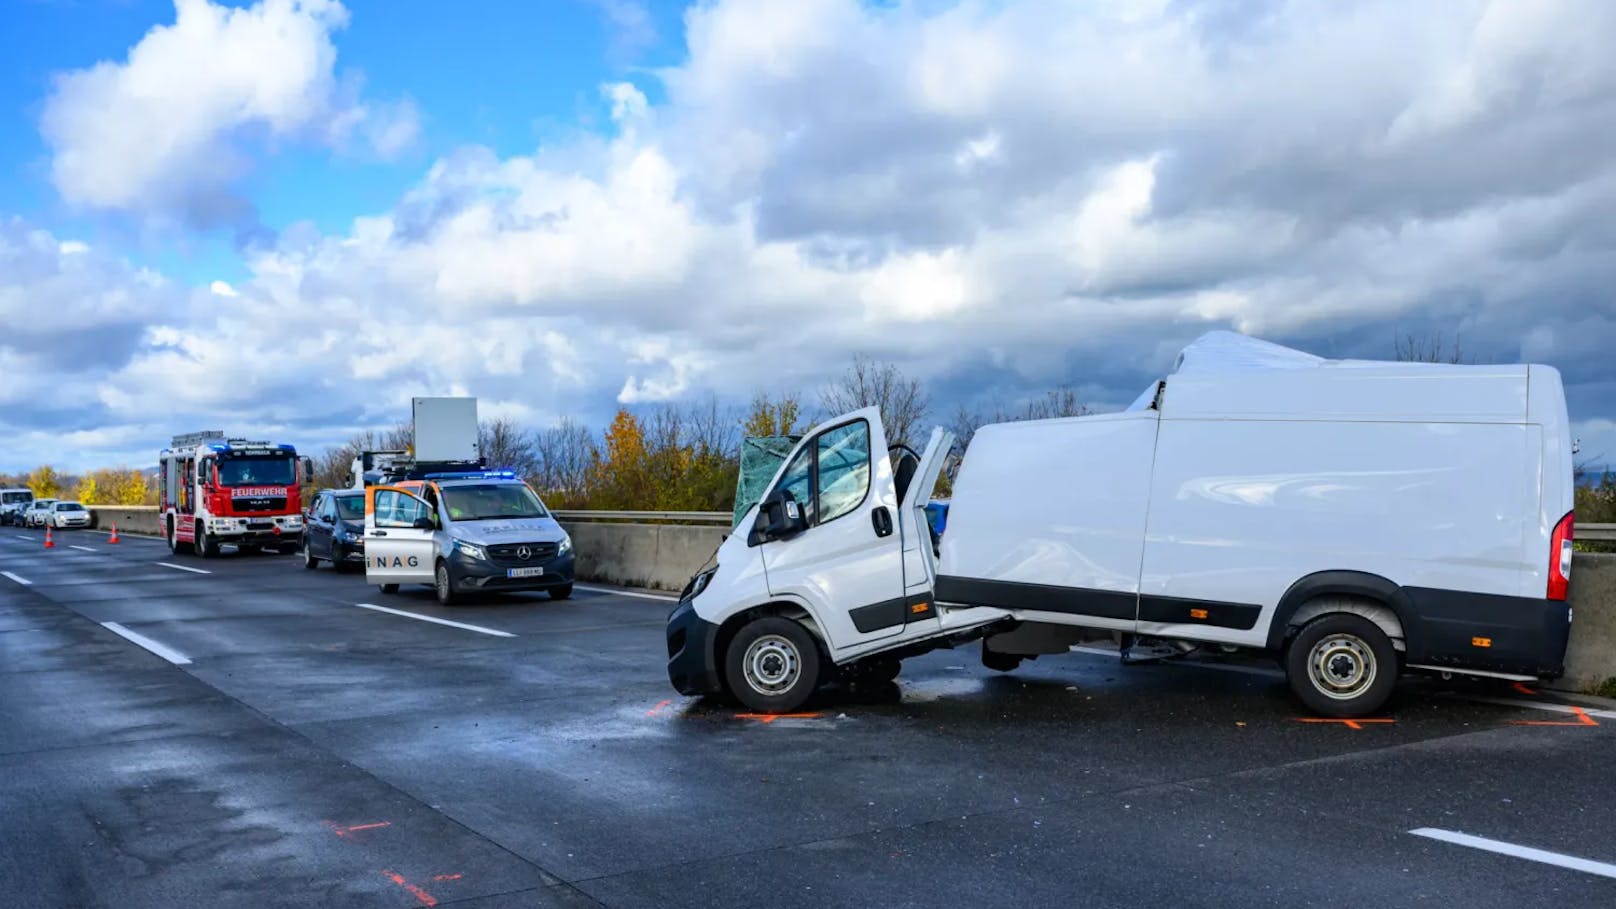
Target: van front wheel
[772,665]
[1342,665]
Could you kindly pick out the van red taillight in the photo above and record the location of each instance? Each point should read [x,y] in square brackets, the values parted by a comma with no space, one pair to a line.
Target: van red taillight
[1560,557]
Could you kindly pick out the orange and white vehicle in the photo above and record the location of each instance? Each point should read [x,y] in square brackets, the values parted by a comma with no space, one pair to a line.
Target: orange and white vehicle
[214,491]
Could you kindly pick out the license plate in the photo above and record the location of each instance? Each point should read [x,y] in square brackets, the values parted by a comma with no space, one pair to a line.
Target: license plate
[524,572]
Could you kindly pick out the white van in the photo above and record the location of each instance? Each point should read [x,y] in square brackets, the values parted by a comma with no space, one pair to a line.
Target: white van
[13,502]
[1356,518]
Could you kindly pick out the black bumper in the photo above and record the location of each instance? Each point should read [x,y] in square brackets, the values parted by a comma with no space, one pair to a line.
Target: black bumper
[480,574]
[692,663]
[1513,635]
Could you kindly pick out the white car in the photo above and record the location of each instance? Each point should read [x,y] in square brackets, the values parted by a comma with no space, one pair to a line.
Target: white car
[63,515]
[36,513]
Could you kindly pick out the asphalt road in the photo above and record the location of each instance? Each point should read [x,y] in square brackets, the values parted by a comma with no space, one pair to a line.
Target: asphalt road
[253,737]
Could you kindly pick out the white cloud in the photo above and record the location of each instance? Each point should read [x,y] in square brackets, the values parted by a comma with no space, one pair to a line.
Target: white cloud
[168,131]
[1017,194]
[223,289]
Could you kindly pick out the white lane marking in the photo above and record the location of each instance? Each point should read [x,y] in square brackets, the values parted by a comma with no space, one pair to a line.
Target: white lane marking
[426,618]
[627,593]
[184,568]
[167,653]
[1525,852]
[20,580]
[1226,667]
[1543,705]
[83,548]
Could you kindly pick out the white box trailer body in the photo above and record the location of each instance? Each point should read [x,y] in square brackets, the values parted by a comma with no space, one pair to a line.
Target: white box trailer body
[445,430]
[1358,517]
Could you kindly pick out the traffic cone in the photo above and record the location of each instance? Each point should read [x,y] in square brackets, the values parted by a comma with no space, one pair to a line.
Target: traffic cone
[48,543]
[114,538]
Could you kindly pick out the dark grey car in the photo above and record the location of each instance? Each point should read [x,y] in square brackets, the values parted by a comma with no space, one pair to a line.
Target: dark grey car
[334,529]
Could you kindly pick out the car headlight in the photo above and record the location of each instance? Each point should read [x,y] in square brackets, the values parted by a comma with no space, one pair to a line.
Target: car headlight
[470,550]
[566,546]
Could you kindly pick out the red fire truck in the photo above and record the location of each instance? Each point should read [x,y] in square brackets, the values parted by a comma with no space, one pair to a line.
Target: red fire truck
[215,490]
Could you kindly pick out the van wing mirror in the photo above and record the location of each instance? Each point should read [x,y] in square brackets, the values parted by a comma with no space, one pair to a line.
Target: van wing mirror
[779,517]
[424,524]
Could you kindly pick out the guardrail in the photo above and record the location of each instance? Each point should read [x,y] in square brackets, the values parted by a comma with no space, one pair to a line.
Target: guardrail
[706,518]
[1596,533]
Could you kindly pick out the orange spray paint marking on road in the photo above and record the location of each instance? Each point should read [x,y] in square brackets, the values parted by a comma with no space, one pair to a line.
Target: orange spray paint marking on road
[1583,719]
[661,705]
[1350,724]
[767,718]
[426,899]
[448,877]
[1523,689]
[344,831]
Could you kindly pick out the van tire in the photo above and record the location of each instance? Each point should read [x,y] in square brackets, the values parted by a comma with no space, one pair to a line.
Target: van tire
[772,665]
[1342,665]
[389,589]
[1000,662]
[560,592]
[443,584]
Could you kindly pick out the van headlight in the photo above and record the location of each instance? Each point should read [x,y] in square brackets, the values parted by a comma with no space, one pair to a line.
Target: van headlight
[698,584]
[470,550]
[566,545]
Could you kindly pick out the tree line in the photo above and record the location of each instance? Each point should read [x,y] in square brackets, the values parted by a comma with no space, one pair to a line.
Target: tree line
[107,486]
[670,457]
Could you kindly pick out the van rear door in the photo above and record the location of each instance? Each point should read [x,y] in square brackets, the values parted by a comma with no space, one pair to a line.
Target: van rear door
[847,565]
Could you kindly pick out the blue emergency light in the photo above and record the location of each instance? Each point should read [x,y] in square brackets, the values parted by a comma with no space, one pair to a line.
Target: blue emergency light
[473,475]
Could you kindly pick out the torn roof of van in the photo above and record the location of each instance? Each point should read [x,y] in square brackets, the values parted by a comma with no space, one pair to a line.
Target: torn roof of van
[1230,373]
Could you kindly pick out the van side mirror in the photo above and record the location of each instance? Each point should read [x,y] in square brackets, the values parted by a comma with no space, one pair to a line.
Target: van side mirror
[780,517]
[424,524]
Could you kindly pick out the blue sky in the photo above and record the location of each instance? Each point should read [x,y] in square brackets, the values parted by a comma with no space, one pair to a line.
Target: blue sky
[286,217]
[505,74]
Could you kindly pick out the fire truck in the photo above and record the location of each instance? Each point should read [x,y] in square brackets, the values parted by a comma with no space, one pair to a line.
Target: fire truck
[215,490]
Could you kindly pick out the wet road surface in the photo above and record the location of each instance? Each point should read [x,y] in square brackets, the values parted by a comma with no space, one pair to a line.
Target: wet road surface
[252,736]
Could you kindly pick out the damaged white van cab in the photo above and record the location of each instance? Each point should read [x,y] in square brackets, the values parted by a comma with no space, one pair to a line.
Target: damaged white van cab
[1358,519]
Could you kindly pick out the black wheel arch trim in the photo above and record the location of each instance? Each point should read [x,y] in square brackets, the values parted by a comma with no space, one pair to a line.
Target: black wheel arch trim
[1361,584]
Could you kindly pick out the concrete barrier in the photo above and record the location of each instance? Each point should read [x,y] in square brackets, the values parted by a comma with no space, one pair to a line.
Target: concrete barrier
[658,556]
[1591,655]
[129,518]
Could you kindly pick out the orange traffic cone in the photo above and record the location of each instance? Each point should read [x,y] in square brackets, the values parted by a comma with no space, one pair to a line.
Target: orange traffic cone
[48,543]
[114,538]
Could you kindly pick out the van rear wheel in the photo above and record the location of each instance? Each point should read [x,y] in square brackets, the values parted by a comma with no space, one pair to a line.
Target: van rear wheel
[772,665]
[1342,665]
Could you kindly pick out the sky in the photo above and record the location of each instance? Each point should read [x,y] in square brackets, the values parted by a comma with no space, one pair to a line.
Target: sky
[284,219]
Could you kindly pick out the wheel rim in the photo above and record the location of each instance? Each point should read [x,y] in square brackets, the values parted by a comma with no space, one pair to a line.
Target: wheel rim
[1342,666]
[772,665]
[443,583]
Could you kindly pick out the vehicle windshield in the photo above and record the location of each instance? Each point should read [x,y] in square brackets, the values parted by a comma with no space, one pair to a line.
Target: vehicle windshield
[69,506]
[351,508]
[267,471]
[12,498]
[489,501]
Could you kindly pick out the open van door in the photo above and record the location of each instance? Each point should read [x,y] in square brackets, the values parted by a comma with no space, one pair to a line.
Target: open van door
[398,537]
[919,545]
[828,528]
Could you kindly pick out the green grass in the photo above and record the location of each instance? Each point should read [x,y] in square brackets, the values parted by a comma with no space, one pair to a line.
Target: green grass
[1606,689]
